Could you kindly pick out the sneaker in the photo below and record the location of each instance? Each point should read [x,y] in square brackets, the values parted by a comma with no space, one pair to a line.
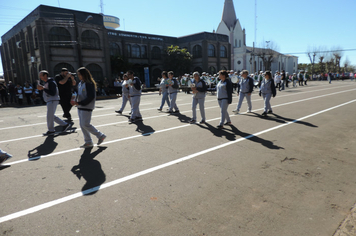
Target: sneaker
[48,133]
[169,111]
[87,145]
[202,122]
[101,139]
[192,121]
[67,127]
[159,109]
[219,126]
[228,123]
[176,111]
[249,111]
[270,112]
[138,118]
[236,111]
[264,114]
[5,157]
[118,111]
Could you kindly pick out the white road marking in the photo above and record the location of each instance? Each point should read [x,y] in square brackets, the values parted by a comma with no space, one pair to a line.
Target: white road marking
[159,131]
[234,96]
[153,169]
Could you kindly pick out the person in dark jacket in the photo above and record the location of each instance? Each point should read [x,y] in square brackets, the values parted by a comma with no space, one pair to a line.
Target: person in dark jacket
[65,81]
[85,103]
[267,90]
[224,94]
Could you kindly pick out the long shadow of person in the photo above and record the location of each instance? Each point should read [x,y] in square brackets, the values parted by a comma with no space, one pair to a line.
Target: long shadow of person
[145,130]
[281,119]
[90,170]
[45,148]
[219,132]
[182,118]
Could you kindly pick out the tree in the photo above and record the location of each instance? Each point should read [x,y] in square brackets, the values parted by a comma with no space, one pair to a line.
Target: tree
[177,59]
[312,53]
[267,53]
[337,53]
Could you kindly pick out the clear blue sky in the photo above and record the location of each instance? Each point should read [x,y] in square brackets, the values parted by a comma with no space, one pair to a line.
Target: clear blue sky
[292,25]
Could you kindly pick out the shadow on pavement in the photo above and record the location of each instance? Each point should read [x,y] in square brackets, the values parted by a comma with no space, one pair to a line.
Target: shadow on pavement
[231,133]
[90,170]
[46,148]
[145,130]
[182,118]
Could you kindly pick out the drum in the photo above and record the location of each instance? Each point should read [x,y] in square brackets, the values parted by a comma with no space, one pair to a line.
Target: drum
[255,82]
[189,83]
[234,79]
[207,81]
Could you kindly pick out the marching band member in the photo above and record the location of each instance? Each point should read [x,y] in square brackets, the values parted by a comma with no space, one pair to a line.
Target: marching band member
[125,94]
[245,89]
[85,103]
[224,95]
[135,96]
[295,79]
[255,79]
[173,92]
[267,90]
[199,89]
[164,90]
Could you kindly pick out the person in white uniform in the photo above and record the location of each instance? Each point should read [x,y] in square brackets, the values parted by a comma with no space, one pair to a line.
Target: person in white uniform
[199,89]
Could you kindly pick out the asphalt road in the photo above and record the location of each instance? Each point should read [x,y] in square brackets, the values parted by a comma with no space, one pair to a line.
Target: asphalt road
[292,173]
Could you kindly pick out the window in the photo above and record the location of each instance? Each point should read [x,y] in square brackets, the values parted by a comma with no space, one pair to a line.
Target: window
[136,51]
[223,52]
[197,51]
[90,40]
[143,52]
[211,50]
[114,49]
[59,66]
[235,43]
[95,71]
[240,43]
[128,50]
[35,38]
[59,37]
[212,70]
[156,53]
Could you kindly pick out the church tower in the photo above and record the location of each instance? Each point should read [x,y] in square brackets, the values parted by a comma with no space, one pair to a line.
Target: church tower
[231,27]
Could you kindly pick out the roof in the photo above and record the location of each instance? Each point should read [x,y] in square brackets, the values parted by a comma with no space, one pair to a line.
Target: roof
[229,15]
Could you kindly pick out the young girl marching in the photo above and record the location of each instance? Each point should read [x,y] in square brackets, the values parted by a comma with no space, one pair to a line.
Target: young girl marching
[267,90]
[125,95]
[85,103]
[224,94]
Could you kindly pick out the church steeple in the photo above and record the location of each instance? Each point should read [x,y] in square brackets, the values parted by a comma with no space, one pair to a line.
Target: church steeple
[229,15]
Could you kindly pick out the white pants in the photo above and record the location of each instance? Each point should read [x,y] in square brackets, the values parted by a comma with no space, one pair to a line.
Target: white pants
[135,107]
[201,108]
[51,117]
[87,128]
[241,98]
[223,110]
[173,97]
[267,99]
[125,99]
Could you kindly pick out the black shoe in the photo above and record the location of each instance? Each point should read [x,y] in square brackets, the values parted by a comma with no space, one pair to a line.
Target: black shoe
[48,133]
[131,121]
[202,122]
[228,123]
[159,109]
[67,127]
[270,112]
[264,114]
[138,119]
[219,126]
[169,111]
[192,121]
[177,111]
[118,111]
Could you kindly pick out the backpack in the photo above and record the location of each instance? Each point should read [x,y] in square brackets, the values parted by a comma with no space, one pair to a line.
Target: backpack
[205,87]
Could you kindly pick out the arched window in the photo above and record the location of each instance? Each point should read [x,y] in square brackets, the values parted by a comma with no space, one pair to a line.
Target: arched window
[90,40]
[136,52]
[114,49]
[211,50]
[60,37]
[96,71]
[58,68]
[156,53]
[197,51]
[223,51]
[143,52]
[35,39]
[212,70]
[128,50]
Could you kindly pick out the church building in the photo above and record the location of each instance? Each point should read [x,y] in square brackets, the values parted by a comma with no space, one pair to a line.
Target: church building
[250,58]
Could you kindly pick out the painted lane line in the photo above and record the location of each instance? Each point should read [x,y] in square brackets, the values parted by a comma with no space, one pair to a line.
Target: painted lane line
[155,168]
[152,117]
[160,131]
[110,114]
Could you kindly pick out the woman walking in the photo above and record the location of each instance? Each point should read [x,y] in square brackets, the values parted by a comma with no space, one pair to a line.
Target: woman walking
[224,94]
[199,89]
[267,90]
[164,90]
[85,103]
[125,94]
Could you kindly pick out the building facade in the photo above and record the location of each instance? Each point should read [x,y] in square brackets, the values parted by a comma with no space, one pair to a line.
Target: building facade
[51,38]
[244,57]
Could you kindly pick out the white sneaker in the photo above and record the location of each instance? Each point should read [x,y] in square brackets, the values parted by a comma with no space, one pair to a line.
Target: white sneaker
[249,111]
